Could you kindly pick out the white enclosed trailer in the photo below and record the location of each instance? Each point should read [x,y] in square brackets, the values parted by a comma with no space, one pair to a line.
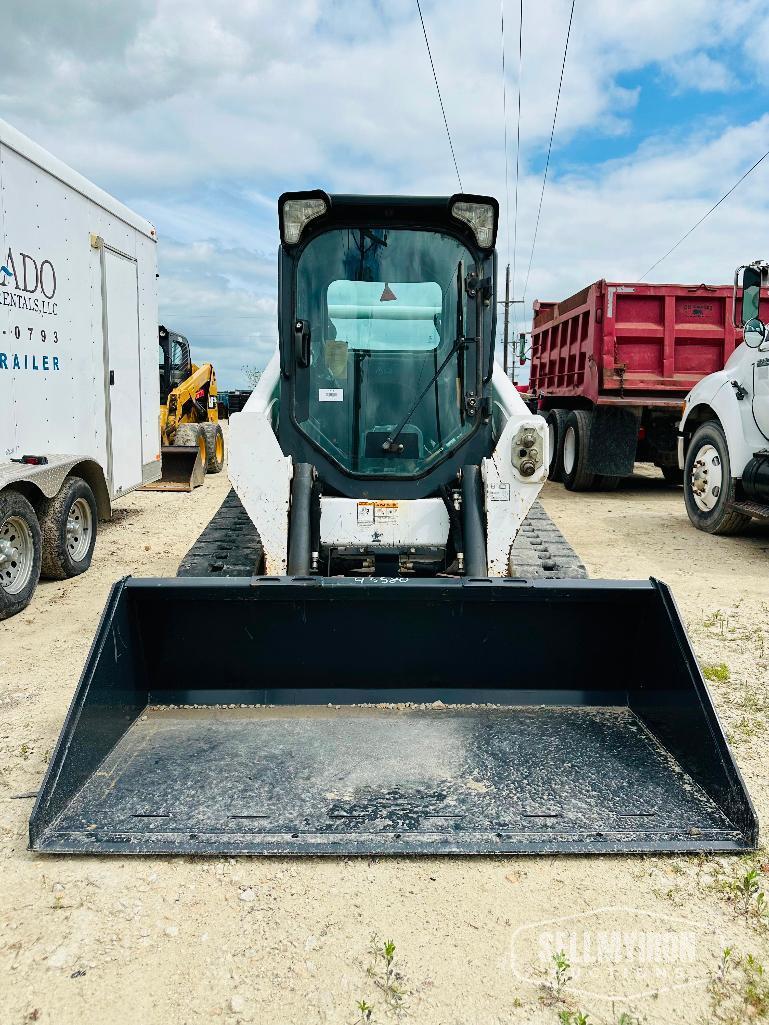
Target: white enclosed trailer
[79,388]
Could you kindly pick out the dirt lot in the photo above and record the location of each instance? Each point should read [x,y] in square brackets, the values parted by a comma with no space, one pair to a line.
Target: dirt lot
[162,940]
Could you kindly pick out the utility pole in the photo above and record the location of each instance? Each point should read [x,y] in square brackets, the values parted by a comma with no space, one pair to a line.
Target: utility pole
[506,361]
[507,302]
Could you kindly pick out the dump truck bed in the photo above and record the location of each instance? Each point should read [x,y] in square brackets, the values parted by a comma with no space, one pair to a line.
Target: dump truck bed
[631,343]
[390,717]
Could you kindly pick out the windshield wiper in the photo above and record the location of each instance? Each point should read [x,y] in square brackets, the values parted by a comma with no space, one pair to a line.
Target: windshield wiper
[459,346]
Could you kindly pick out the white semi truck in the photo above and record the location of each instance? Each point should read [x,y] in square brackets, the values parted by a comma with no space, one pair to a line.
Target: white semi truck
[79,386]
[723,444]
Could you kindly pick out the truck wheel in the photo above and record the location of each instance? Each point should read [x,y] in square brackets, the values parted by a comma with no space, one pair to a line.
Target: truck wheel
[606,482]
[214,439]
[556,428]
[68,527]
[189,435]
[708,483]
[576,440]
[672,475]
[20,553]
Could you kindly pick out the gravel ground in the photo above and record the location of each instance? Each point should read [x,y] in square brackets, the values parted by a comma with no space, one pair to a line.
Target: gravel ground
[187,940]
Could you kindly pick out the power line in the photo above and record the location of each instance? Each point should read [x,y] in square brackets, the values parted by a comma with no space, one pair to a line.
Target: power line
[704,216]
[440,98]
[517,153]
[549,148]
[504,119]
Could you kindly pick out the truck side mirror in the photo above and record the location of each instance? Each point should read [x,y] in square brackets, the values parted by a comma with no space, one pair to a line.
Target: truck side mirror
[751,294]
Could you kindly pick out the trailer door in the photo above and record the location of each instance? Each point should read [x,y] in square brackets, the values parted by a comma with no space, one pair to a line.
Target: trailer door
[120,293]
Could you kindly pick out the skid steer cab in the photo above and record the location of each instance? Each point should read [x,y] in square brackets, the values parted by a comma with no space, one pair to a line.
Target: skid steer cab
[382,438]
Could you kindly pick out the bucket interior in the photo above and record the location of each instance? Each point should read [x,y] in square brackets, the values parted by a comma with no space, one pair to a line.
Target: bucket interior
[341,717]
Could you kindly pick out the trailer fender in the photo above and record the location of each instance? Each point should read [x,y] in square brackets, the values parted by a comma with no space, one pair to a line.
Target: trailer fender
[37,482]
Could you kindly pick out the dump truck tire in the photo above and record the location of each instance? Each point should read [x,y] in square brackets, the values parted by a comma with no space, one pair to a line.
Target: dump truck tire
[214,438]
[68,529]
[556,426]
[190,435]
[20,553]
[709,488]
[576,441]
[606,482]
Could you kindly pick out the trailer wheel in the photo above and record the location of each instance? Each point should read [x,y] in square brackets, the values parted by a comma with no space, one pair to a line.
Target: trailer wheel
[189,435]
[556,428]
[214,439]
[709,488]
[20,553]
[672,475]
[576,440]
[68,527]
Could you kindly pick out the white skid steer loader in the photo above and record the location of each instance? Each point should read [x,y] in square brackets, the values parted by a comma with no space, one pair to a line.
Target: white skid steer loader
[386,686]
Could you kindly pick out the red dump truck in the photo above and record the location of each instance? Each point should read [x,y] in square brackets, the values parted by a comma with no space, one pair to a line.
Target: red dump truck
[610,367]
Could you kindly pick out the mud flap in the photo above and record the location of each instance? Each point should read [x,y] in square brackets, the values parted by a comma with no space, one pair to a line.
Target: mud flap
[344,716]
[183,469]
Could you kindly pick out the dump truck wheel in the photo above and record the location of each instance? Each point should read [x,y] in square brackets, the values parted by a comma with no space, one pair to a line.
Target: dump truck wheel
[556,426]
[20,553]
[214,438]
[606,482]
[190,435]
[672,475]
[709,488]
[576,440]
[68,528]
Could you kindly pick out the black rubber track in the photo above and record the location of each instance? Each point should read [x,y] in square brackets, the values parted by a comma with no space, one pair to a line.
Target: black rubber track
[541,552]
[230,547]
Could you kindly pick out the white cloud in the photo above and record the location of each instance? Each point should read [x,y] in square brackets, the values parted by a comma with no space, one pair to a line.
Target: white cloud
[198,114]
[702,73]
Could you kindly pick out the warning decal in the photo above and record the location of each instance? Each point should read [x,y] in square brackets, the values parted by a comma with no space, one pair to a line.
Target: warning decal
[377,512]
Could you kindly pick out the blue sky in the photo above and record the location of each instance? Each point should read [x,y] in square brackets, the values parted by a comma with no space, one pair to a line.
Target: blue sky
[199,114]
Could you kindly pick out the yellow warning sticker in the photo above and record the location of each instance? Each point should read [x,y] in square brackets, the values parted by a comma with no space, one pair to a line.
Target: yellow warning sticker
[377,512]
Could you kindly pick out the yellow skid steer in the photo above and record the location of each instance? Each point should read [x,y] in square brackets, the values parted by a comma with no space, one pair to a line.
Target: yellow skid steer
[192,442]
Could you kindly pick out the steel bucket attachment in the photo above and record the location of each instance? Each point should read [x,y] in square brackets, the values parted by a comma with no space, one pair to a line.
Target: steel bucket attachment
[544,717]
[183,469]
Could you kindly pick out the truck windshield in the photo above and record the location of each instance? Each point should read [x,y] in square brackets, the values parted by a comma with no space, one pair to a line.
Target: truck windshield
[381,305]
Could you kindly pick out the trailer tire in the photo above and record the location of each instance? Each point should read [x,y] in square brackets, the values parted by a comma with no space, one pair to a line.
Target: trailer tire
[708,504]
[672,475]
[189,435]
[214,438]
[68,528]
[576,442]
[556,426]
[20,553]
